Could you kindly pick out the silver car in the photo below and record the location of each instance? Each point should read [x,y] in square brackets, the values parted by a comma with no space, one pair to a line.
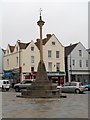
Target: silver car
[72,87]
[23,85]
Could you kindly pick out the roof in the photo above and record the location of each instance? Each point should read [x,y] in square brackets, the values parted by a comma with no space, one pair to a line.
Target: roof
[68,49]
[23,45]
[11,48]
[88,51]
[44,41]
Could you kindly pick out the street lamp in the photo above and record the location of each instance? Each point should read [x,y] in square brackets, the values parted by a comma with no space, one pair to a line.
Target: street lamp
[70,65]
[19,61]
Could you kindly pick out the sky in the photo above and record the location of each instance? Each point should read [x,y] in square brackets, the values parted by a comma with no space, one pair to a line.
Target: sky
[67,19]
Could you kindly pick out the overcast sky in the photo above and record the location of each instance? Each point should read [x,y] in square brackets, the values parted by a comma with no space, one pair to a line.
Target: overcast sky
[67,19]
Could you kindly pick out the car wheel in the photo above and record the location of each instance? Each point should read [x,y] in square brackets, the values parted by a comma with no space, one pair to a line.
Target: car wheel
[17,89]
[3,89]
[77,91]
[7,89]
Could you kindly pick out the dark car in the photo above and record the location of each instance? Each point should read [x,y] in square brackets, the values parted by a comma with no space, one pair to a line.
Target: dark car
[87,86]
[23,85]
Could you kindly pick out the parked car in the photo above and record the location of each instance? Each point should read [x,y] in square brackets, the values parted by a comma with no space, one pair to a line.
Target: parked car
[87,86]
[4,85]
[22,85]
[75,87]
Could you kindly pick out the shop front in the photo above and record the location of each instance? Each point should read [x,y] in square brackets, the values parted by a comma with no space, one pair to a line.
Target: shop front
[8,74]
[55,77]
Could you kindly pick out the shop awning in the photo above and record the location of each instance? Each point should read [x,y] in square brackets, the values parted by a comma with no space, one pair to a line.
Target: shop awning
[56,73]
[8,74]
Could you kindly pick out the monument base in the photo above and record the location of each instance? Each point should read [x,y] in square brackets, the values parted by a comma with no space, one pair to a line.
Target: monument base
[42,87]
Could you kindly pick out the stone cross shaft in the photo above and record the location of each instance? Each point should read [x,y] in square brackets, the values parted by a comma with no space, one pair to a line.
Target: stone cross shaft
[40,23]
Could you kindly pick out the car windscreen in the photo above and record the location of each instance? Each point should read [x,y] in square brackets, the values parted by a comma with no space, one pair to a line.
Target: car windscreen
[66,84]
[73,84]
[80,84]
[28,82]
[6,82]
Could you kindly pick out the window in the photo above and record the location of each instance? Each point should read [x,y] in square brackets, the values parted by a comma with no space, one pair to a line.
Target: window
[58,66]
[32,48]
[32,59]
[66,84]
[4,82]
[7,51]
[17,60]
[86,63]
[50,66]
[7,61]
[53,43]
[17,49]
[73,84]
[73,62]
[49,53]
[80,52]
[57,54]
[80,63]
[32,69]
[28,82]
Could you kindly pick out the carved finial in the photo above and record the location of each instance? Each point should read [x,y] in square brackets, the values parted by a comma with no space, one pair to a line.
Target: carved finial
[40,11]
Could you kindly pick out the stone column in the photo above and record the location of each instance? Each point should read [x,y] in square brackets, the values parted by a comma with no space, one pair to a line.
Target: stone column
[40,24]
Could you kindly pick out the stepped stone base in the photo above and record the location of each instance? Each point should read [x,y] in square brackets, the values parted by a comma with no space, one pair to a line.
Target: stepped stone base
[41,87]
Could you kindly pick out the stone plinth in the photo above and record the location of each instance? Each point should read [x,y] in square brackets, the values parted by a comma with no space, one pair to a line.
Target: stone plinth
[41,87]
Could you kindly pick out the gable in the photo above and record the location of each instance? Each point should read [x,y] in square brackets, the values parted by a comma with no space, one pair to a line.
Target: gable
[82,48]
[32,44]
[69,49]
[77,48]
[8,50]
[54,41]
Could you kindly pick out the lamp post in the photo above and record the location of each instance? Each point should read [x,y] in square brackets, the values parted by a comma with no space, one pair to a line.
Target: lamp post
[19,61]
[70,65]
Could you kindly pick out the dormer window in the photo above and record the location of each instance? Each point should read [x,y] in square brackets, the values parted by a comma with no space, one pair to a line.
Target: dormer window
[53,43]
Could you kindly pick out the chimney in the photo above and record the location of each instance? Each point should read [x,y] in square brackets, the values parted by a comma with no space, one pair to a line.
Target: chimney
[38,40]
[48,36]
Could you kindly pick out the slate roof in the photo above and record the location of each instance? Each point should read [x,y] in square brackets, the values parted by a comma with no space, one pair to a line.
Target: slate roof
[68,49]
[11,48]
[23,45]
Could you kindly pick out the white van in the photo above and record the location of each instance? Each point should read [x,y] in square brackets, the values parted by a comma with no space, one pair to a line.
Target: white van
[4,85]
